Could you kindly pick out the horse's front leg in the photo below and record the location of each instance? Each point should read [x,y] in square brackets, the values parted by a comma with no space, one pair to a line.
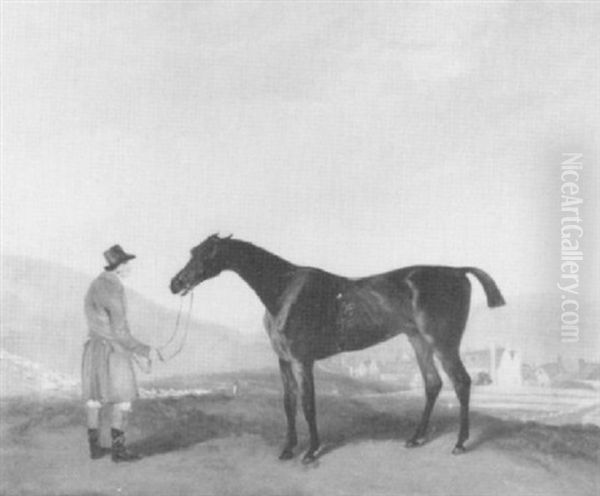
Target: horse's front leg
[290,394]
[304,376]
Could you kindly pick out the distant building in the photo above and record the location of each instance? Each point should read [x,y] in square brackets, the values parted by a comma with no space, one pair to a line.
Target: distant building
[549,373]
[500,366]
[394,368]
[588,371]
[509,373]
[367,369]
[528,372]
[484,360]
[542,377]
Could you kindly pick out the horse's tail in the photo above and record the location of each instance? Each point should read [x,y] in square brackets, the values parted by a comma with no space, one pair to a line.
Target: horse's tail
[494,297]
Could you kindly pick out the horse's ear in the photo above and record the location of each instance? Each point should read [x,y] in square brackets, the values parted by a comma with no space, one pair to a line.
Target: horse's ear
[217,237]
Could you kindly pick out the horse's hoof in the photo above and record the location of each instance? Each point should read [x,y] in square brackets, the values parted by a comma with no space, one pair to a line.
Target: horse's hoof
[458,450]
[310,456]
[415,443]
[286,454]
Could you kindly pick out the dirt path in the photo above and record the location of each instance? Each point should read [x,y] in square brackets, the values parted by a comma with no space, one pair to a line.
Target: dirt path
[217,445]
[57,463]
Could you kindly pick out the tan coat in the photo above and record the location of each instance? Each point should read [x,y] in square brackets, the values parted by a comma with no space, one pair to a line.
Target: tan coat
[107,367]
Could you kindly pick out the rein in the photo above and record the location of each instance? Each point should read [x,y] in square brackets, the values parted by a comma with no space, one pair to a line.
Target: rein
[186,328]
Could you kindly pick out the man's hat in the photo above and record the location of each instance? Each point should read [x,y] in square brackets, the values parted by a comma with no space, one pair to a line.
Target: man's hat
[115,256]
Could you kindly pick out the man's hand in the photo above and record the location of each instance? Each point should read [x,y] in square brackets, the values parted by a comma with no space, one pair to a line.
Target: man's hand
[143,363]
[155,355]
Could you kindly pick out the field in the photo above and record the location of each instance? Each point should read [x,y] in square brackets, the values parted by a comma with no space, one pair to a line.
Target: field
[224,444]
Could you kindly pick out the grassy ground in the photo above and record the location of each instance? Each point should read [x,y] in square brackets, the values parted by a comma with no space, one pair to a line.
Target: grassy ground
[219,444]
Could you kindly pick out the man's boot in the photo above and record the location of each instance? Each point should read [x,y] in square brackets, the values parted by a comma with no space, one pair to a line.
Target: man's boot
[119,452]
[96,451]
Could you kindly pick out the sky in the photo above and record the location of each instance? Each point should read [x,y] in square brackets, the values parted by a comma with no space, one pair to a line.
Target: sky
[358,137]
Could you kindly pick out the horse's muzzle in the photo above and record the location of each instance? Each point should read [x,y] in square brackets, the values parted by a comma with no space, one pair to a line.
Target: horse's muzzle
[176,285]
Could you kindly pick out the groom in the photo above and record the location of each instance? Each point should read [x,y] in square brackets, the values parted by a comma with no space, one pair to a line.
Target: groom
[108,377]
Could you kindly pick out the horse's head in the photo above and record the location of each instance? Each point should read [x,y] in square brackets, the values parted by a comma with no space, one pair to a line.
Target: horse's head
[207,261]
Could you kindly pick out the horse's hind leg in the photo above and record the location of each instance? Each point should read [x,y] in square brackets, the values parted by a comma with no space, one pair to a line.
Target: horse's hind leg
[441,309]
[433,384]
[461,380]
[290,394]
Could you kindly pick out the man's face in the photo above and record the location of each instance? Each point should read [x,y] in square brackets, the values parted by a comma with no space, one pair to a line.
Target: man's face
[124,270]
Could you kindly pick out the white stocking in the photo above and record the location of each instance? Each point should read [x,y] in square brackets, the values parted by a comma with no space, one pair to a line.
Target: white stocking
[120,413]
[93,414]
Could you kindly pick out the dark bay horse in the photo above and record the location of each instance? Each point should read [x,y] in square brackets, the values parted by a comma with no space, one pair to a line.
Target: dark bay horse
[312,314]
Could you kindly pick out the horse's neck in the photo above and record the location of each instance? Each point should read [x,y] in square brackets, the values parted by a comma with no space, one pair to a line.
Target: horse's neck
[266,273]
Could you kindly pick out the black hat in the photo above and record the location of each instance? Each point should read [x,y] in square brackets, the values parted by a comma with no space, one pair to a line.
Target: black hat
[115,256]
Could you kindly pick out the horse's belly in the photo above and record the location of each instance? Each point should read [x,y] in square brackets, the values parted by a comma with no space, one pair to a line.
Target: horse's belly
[369,318]
[358,337]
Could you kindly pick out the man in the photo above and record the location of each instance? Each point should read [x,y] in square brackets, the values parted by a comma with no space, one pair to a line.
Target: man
[108,377]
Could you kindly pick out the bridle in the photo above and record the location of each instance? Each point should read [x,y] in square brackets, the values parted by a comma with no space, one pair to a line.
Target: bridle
[186,329]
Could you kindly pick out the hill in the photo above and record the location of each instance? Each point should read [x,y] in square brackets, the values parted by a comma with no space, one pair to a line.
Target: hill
[19,376]
[43,321]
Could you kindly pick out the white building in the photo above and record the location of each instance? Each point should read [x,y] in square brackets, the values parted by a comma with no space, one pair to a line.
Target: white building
[509,371]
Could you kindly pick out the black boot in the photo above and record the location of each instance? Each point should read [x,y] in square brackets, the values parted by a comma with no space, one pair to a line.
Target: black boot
[96,451]
[119,452]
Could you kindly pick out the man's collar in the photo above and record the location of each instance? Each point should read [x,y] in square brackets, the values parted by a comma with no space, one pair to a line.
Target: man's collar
[112,276]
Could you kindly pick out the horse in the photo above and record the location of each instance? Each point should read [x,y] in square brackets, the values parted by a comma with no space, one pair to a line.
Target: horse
[312,314]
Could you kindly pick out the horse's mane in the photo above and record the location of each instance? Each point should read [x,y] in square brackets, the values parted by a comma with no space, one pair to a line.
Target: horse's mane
[258,255]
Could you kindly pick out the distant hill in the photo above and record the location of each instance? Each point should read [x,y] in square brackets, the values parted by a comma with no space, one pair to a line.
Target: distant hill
[19,376]
[43,321]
